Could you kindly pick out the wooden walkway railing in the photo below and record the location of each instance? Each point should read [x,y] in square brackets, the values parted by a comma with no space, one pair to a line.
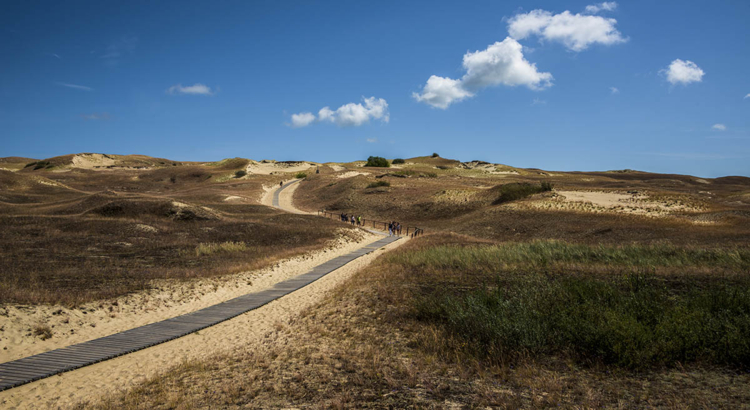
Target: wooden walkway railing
[411,231]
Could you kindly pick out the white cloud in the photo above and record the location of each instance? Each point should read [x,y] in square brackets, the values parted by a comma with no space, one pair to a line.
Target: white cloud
[576,31]
[440,92]
[302,119]
[747,96]
[720,127]
[372,140]
[76,86]
[537,101]
[614,90]
[606,6]
[501,63]
[119,48]
[96,116]
[195,89]
[683,72]
[348,115]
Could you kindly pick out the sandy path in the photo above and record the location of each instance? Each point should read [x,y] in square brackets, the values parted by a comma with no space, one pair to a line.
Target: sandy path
[92,382]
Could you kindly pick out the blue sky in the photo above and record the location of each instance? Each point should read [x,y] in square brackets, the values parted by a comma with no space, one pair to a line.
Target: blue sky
[520,83]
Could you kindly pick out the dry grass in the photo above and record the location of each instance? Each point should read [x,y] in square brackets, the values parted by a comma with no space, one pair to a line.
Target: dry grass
[84,235]
[363,348]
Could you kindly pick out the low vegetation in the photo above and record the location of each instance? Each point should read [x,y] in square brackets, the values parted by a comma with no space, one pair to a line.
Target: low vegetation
[377,162]
[211,248]
[300,175]
[240,173]
[505,302]
[378,184]
[398,161]
[515,191]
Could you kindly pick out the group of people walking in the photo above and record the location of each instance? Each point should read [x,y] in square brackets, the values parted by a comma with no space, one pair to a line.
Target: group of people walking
[394,228]
[355,220]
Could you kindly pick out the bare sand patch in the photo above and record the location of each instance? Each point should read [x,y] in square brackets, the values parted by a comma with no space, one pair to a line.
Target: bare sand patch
[268,167]
[337,168]
[350,174]
[91,161]
[245,331]
[232,198]
[286,200]
[601,201]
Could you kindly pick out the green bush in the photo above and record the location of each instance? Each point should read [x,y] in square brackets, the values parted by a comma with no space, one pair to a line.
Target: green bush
[240,173]
[377,162]
[379,184]
[435,155]
[518,190]
[399,161]
[546,186]
[300,175]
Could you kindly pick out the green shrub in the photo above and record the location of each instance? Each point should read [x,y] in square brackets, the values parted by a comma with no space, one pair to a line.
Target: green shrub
[300,175]
[518,190]
[379,184]
[443,167]
[399,161]
[435,155]
[377,162]
[240,173]
[546,186]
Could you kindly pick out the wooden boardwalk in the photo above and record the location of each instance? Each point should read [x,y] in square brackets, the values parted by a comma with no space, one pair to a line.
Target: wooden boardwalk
[29,369]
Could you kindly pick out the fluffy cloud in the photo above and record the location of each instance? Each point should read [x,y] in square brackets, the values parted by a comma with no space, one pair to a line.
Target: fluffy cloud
[372,140]
[606,6]
[501,63]
[720,127]
[195,89]
[302,119]
[348,115]
[747,96]
[576,31]
[683,72]
[614,90]
[440,92]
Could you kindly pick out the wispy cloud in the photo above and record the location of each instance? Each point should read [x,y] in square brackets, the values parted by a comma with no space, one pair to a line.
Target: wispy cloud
[57,56]
[372,140]
[195,89]
[76,86]
[538,101]
[96,116]
[606,6]
[116,50]
[747,96]
[614,90]
[720,127]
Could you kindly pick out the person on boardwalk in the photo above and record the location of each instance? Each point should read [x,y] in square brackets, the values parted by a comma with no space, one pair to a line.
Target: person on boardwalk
[353,220]
[359,220]
[398,228]
[390,228]
[281,184]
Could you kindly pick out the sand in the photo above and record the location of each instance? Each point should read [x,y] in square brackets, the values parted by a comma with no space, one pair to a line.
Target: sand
[92,382]
[619,202]
[167,299]
[273,167]
[350,174]
[90,161]
[337,168]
